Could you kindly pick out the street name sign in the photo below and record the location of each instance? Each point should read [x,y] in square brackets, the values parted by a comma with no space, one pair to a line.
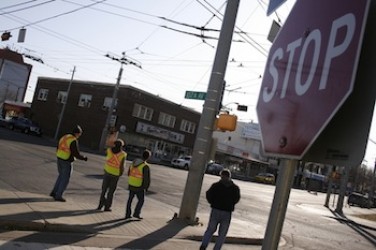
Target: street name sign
[195,95]
[273,5]
[310,72]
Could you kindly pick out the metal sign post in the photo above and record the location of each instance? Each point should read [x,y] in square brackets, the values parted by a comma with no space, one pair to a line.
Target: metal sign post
[279,206]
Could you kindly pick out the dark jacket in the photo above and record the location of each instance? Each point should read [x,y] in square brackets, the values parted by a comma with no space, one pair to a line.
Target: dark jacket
[146,176]
[223,195]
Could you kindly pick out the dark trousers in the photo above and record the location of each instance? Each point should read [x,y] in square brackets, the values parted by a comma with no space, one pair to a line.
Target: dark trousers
[109,185]
[140,197]
[65,170]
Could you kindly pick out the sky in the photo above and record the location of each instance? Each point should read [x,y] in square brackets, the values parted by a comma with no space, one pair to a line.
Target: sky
[171,44]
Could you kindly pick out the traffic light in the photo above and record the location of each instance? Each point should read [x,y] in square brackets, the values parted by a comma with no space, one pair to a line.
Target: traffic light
[5,36]
[226,122]
[242,108]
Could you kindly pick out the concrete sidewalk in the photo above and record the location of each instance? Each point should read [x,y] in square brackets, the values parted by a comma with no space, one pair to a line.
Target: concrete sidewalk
[158,230]
[107,230]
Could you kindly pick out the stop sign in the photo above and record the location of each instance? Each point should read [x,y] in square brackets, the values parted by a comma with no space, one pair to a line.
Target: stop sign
[309,73]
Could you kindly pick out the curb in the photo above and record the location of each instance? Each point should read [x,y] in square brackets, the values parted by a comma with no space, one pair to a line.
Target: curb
[231,240]
[47,227]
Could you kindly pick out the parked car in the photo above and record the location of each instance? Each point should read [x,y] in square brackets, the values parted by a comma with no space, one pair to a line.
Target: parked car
[3,121]
[265,178]
[182,162]
[25,125]
[360,200]
[214,168]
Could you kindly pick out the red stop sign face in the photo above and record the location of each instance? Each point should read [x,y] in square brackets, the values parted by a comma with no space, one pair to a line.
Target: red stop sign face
[309,73]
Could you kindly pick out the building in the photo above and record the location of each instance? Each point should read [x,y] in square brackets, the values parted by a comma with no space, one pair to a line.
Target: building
[12,108]
[240,151]
[142,119]
[14,76]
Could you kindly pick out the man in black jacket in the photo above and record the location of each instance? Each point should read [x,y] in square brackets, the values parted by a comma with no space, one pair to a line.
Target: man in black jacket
[222,196]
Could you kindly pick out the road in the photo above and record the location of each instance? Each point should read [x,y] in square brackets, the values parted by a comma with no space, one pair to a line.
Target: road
[28,164]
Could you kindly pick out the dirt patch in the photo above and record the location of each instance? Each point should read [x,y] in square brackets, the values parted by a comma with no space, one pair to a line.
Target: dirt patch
[371,217]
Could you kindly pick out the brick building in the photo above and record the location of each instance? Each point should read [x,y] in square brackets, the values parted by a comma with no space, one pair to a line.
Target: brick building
[142,119]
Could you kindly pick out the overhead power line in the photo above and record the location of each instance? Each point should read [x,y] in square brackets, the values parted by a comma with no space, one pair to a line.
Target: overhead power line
[26,8]
[18,4]
[56,16]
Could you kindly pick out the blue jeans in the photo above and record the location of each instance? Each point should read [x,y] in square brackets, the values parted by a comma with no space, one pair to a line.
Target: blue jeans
[221,218]
[64,169]
[140,197]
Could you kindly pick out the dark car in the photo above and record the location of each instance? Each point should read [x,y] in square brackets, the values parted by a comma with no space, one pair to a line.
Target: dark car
[360,200]
[214,168]
[3,121]
[25,125]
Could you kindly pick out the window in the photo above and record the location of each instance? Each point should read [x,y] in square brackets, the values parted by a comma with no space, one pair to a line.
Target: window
[142,112]
[84,101]
[42,95]
[62,97]
[188,126]
[166,120]
[107,103]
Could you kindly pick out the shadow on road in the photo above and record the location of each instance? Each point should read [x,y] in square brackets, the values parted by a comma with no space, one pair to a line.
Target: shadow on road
[357,227]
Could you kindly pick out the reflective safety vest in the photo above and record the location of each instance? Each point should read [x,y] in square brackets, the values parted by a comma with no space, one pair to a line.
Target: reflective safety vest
[63,150]
[113,162]
[136,175]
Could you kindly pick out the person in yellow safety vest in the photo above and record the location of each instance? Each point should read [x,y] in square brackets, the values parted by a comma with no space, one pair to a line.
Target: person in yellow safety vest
[139,182]
[66,153]
[113,169]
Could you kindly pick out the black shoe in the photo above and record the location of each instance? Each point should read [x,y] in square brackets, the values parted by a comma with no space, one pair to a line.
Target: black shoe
[127,217]
[60,199]
[108,209]
[52,194]
[137,217]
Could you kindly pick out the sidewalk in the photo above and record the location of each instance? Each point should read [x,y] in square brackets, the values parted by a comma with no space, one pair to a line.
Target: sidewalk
[108,230]
[158,229]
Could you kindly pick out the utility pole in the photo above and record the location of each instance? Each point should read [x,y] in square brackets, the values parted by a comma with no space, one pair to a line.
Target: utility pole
[204,136]
[373,181]
[64,105]
[342,189]
[330,184]
[372,189]
[123,60]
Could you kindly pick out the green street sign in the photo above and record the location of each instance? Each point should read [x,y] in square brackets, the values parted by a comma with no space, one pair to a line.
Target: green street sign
[195,95]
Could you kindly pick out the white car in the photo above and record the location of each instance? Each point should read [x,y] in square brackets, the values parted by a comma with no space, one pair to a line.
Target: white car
[182,162]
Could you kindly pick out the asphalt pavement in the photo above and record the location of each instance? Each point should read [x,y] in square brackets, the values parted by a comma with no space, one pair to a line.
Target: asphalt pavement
[36,221]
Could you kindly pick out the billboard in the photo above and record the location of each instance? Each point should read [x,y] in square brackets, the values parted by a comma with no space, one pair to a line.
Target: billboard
[13,80]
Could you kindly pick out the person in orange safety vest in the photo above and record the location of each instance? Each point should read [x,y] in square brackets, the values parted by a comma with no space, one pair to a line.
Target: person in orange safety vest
[139,182]
[113,169]
[67,152]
